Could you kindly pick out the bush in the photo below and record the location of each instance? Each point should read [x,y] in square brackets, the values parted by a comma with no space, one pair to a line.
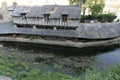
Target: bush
[106,17]
[101,17]
[87,17]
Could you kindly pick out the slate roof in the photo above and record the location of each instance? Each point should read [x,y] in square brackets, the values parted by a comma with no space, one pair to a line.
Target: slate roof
[39,11]
[55,11]
[19,10]
[10,8]
[72,11]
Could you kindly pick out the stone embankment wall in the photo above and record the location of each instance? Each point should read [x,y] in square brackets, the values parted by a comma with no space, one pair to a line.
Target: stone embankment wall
[99,30]
[86,31]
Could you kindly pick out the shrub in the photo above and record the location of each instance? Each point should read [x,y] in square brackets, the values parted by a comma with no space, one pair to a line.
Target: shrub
[87,17]
[106,17]
[101,17]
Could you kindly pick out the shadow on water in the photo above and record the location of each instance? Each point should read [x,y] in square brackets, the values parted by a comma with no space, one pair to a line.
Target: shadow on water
[60,50]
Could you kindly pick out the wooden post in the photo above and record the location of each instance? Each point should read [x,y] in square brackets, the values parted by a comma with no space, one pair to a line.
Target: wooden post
[34,27]
[1,46]
[14,35]
[15,26]
[55,28]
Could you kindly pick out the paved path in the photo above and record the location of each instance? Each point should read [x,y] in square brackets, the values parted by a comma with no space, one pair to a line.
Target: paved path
[5,78]
[88,30]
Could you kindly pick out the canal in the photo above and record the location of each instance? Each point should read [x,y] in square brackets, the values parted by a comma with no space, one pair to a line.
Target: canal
[67,60]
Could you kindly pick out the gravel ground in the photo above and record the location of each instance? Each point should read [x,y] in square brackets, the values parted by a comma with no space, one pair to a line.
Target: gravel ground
[5,78]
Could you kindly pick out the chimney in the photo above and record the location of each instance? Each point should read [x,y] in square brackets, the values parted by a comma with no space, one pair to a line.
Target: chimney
[54,9]
[14,5]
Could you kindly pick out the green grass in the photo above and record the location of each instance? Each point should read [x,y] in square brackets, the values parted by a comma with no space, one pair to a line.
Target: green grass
[107,74]
[17,70]
[11,67]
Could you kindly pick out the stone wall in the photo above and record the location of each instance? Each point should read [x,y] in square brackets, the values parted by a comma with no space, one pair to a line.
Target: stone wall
[5,13]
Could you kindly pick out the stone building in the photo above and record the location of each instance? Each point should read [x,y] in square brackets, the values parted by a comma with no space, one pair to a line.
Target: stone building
[5,13]
[6,6]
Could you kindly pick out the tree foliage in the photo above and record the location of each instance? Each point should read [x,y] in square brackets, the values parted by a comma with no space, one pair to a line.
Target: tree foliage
[95,6]
[96,9]
[76,1]
[72,2]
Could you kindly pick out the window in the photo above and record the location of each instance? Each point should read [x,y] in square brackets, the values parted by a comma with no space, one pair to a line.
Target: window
[23,15]
[64,18]
[46,17]
[1,17]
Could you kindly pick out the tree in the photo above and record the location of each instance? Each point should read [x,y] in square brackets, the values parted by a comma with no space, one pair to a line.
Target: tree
[72,2]
[96,9]
[82,4]
[96,6]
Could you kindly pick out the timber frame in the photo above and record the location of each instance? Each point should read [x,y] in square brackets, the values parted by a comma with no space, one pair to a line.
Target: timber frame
[48,17]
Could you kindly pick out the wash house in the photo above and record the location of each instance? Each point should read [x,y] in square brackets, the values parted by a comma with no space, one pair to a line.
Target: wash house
[47,16]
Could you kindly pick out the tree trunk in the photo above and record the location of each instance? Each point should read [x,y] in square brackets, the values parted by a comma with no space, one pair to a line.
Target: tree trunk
[80,5]
[84,12]
[95,1]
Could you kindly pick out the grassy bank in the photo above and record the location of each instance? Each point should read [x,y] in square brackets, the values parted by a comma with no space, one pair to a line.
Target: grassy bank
[17,69]
[10,67]
[108,74]
[21,71]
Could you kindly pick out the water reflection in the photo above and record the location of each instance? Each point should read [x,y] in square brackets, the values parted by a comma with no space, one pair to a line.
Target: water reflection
[109,58]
